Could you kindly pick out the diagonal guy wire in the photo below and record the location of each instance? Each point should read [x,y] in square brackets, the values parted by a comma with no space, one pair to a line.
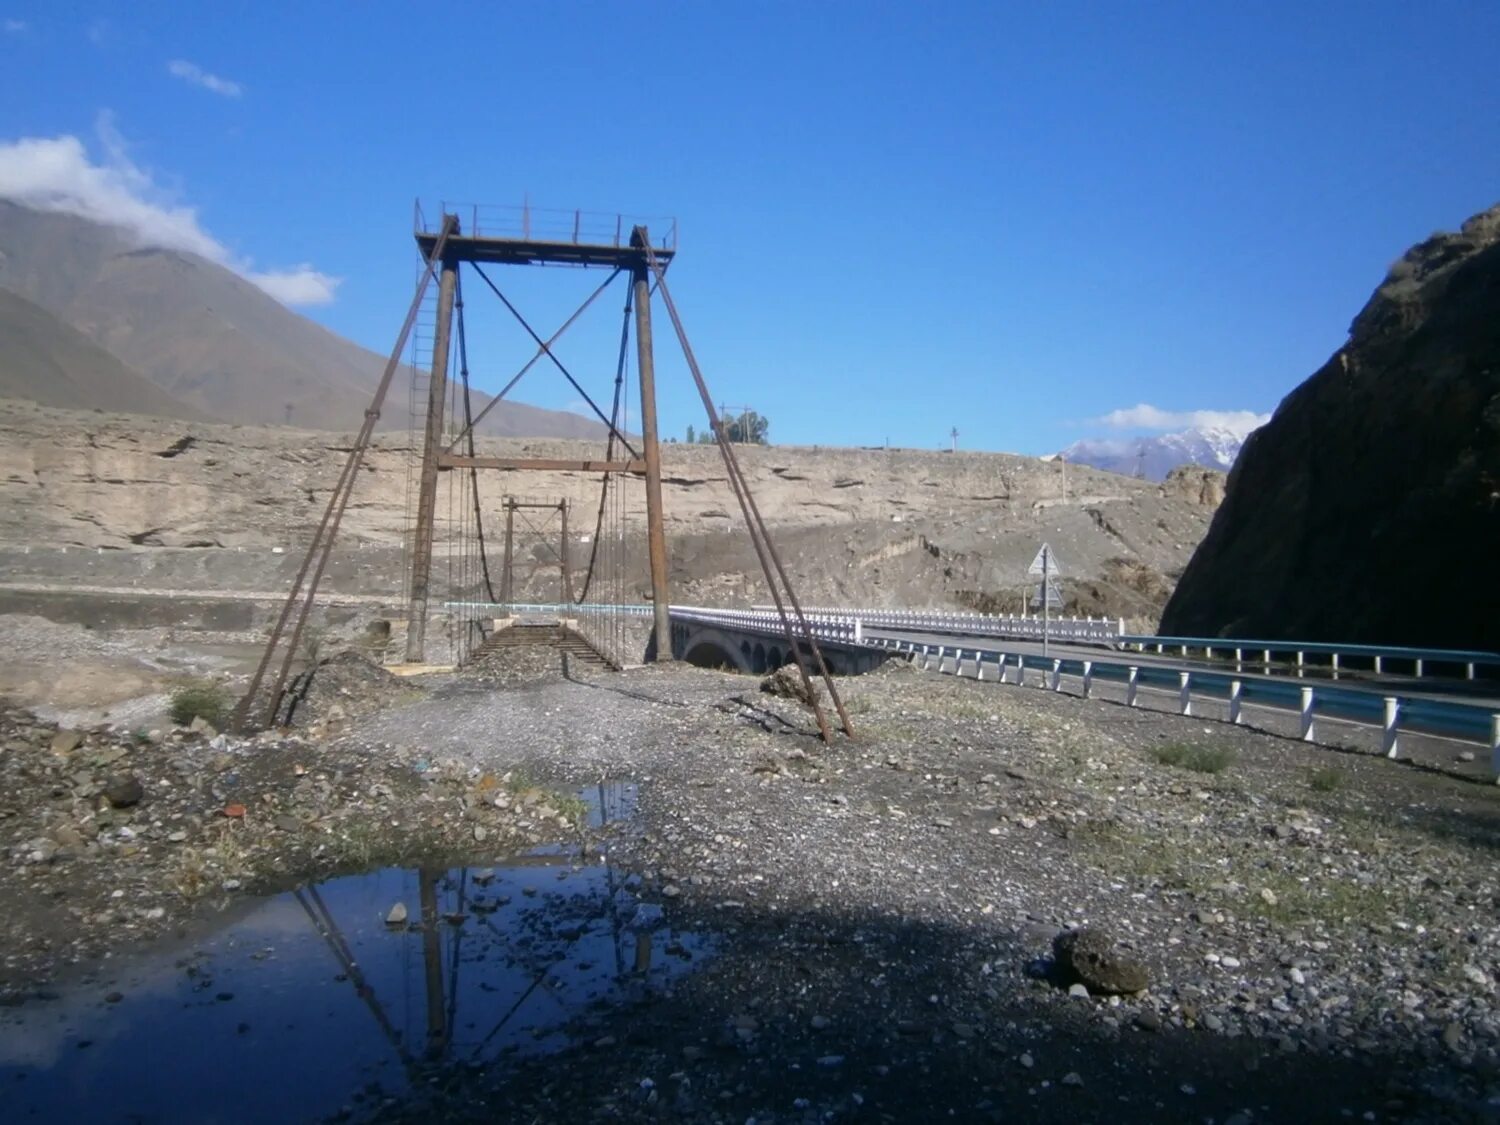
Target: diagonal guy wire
[568,375]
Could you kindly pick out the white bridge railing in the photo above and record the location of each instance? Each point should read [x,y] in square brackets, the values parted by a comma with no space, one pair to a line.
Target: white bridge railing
[825,627]
[1081,630]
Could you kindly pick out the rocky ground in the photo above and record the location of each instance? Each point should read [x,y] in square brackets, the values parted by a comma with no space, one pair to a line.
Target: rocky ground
[113,837]
[1315,929]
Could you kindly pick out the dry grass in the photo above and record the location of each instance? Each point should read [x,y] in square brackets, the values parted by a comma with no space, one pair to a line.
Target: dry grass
[1191,756]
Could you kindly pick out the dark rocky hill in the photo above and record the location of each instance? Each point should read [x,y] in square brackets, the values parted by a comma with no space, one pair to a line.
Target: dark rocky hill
[1368,508]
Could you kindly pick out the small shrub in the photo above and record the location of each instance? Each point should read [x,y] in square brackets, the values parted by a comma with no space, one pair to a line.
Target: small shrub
[312,645]
[204,700]
[1199,759]
[1325,780]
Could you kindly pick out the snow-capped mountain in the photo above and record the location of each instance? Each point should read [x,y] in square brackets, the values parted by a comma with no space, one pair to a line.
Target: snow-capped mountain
[1154,457]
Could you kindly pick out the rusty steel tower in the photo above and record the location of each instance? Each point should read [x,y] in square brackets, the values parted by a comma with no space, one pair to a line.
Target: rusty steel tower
[469,238]
[497,237]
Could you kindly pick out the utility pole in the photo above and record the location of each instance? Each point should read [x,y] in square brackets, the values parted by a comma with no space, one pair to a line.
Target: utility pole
[954,436]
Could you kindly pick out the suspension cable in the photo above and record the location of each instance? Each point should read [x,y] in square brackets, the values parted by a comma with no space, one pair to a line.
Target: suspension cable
[568,375]
[463,370]
[609,447]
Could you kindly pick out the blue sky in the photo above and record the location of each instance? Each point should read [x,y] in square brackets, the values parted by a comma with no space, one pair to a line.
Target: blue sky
[895,218]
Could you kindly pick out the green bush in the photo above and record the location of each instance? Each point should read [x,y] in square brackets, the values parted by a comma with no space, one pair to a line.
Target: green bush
[205,700]
[1199,759]
[1325,780]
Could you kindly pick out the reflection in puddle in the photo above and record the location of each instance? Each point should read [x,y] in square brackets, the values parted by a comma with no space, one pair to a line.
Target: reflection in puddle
[610,801]
[313,1002]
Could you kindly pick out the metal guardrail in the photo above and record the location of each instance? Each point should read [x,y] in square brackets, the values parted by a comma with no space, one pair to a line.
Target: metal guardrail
[824,627]
[1079,630]
[1391,713]
[1378,655]
[840,630]
[1111,631]
[554,608]
[1086,630]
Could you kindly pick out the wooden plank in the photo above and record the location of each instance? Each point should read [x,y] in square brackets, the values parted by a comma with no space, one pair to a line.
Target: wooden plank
[458,461]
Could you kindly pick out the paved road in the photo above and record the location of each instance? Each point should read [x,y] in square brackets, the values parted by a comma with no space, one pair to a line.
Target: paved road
[1476,693]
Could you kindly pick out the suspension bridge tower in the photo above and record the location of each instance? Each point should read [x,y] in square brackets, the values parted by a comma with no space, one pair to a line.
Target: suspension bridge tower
[486,236]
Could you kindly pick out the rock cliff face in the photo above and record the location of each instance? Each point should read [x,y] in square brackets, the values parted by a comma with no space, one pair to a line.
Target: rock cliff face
[139,503]
[1368,509]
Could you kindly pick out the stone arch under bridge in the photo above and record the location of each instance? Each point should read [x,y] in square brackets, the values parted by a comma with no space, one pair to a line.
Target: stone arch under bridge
[711,646]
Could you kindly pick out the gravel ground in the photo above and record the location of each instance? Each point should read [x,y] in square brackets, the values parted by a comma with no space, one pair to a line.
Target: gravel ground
[1318,927]
[111,839]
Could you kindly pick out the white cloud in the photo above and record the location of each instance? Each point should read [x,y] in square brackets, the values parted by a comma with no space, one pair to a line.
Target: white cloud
[14,27]
[300,285]
[195,75]
[1145,417]
[57,174]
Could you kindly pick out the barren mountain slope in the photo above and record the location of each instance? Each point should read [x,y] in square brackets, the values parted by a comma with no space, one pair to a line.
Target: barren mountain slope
[162,504]
[46,361]
[204,334]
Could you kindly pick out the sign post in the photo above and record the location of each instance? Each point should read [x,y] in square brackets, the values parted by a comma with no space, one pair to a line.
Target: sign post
[1045,565]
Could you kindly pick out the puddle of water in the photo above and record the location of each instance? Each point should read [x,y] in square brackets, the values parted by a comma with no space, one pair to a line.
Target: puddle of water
[610,801]
[312,1002]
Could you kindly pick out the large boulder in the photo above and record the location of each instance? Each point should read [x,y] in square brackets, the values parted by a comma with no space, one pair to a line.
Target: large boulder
[786,682]
[1376,485]
[1089,957]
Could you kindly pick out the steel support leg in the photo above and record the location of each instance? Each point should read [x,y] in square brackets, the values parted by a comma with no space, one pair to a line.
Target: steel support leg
[437,400]
[656,536]
[567,574]
[507,573]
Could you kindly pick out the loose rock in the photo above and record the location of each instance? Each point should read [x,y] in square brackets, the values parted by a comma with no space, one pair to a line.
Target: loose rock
[1089,957]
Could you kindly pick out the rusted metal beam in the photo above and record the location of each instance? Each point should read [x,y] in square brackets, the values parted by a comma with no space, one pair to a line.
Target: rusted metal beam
[437,403]
[460,461]
[656,536]
[543,349]
[557,363]
[770,561]
[518,251]
[322,544]
[567,576]
[508,579]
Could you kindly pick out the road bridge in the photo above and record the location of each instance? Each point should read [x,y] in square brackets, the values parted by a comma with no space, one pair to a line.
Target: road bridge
[758,642]
[1394,692]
